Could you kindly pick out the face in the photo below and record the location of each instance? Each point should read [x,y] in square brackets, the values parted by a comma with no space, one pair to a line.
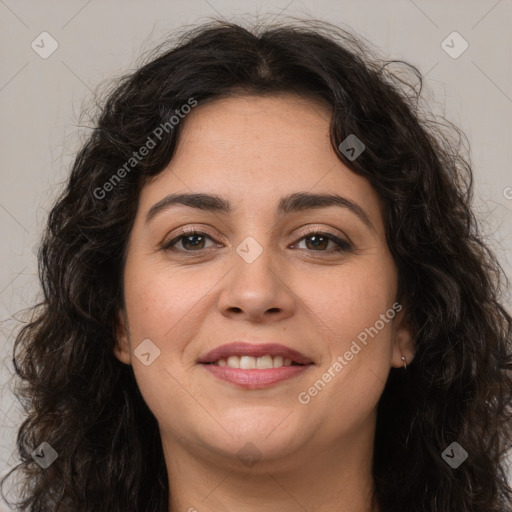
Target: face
[314,277]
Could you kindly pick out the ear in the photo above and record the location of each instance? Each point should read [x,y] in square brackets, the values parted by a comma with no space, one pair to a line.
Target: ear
[122,347]
[402,340]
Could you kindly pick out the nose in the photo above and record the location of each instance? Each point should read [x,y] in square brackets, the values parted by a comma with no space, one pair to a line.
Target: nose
[258,291]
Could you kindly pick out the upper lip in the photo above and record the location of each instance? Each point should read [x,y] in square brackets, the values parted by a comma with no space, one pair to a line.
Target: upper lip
[241,348]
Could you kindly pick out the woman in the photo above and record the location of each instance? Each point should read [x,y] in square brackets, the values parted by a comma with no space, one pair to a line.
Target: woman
[264,289]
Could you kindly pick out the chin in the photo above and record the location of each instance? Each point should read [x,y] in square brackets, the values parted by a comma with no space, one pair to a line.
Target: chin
[265,434]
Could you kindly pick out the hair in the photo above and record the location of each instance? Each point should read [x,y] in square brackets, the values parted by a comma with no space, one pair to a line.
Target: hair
[85,403]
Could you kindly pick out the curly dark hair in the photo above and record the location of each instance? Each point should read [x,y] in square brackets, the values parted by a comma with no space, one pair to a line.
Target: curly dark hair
[86,404]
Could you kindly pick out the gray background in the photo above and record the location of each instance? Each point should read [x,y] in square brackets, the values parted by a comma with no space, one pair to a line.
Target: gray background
[41,100]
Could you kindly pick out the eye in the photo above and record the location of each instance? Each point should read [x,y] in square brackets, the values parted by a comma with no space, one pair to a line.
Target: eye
[190,239]
[320,240]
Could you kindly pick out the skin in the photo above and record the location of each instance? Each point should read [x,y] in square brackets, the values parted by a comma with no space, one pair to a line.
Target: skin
[253,150]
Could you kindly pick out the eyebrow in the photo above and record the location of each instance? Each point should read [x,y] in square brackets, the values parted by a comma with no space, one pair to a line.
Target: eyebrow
[296,202]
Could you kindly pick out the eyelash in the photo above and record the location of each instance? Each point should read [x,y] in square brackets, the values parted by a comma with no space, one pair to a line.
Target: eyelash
[343,245]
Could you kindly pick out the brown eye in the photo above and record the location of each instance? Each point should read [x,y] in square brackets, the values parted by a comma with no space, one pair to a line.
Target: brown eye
[192,241]
[319,241]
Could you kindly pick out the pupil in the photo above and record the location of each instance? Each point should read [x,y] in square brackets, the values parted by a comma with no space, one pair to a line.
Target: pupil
[190,237]
[319,240]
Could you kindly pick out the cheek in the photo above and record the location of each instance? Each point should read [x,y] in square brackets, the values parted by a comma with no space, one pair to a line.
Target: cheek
[157,299]
[157,302]
[349,307]
[352,298]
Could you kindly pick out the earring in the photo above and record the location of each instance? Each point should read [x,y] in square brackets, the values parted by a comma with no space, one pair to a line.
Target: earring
[405,362]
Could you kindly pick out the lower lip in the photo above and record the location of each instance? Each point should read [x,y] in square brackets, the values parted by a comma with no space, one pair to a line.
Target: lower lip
[255,379]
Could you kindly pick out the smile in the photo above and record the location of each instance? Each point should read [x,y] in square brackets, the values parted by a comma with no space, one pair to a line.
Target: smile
[254,366]
[251,363]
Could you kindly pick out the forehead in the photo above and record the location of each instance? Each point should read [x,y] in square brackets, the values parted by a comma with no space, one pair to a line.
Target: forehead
[253,124]
[256,149]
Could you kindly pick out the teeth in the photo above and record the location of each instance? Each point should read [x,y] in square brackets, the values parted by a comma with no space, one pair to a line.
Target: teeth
[247,363]
[264,362]
[278,361]
[250,363]
[234,362]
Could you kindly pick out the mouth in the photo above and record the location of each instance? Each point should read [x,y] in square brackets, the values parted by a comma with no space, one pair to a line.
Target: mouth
[255,363]
[255,366]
